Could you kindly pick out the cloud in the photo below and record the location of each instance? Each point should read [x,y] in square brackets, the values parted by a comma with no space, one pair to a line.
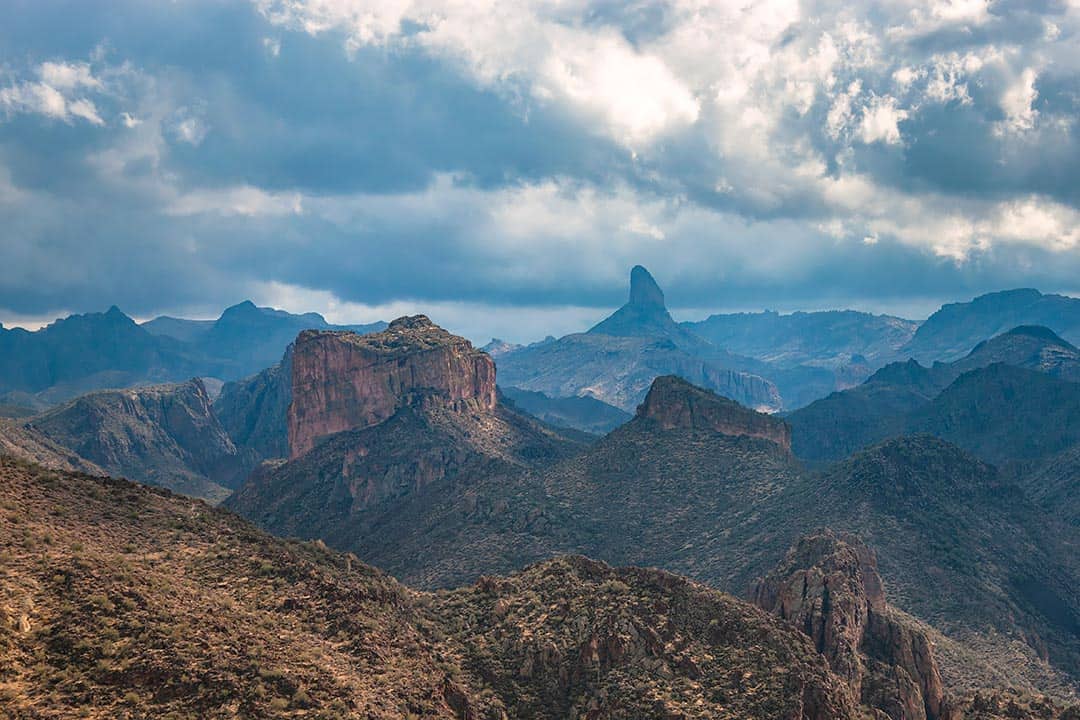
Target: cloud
[493,157]
[54,94]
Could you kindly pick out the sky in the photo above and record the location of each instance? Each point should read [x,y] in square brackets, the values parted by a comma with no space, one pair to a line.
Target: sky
[502,165]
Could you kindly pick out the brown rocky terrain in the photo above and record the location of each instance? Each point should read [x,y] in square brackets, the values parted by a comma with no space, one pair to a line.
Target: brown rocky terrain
[431,425]
[163,435]
[674,403]
[345,381]
[444,492]
[828,586]
[121,601]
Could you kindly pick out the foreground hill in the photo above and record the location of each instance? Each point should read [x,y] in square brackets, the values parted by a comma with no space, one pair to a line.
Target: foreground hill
[123,601]
[163,435]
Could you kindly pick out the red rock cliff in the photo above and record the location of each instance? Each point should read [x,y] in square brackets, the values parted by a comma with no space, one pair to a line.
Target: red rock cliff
[342,381]
[673,402]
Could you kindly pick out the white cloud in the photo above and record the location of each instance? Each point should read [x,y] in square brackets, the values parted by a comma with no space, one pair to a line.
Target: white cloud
[880,121]
[54,94]
[67,76]
[1017,101]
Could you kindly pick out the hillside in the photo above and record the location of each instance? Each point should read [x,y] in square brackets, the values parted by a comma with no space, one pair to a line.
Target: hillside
[960,547]
[19,441]
[1006,401]
[163,435]
[123,601]
[951,332]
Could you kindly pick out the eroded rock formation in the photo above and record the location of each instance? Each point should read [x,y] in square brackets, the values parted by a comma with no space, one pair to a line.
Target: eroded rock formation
[344,381]
[829,587]
[673,402]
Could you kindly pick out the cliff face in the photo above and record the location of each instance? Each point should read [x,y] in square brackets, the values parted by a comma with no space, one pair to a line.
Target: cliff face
[163,435]
[254,410]
[828,586]
[344,381]
[674,403]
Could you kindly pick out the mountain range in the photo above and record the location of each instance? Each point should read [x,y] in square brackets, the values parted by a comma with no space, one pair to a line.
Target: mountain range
[109,350]
[125,601]
[516,492]
[440,483]
[1013,397]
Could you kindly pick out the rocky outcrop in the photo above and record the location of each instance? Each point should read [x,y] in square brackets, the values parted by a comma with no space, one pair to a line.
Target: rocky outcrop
[829,587]
[617,360]
[163,435]
[674,403]
[344,381]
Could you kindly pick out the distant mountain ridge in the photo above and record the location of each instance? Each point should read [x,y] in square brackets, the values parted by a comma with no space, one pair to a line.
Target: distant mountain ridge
[1014,397]
[617,359]
[94,351]
[952,331]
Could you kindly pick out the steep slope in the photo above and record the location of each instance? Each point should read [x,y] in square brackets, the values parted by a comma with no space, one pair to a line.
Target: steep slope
[828,586]
[672,488]
[163,435]
[254,411]
[1005,401]
[580,413]
[377,419]
[962,549]
[19,441]
[1055,485]
[834,339]
[345,381]
[125,601]
[1003,414]
[951,332]
[617,360]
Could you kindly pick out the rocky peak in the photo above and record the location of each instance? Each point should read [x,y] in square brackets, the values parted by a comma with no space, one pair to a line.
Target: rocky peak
[644,292]
[675,403]
[343,381]
[828,586]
